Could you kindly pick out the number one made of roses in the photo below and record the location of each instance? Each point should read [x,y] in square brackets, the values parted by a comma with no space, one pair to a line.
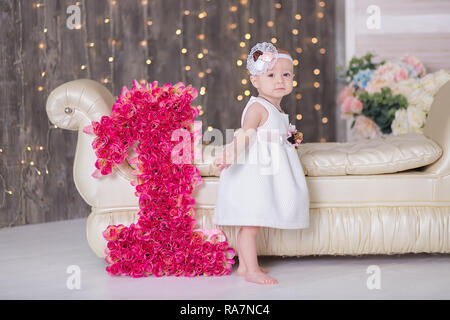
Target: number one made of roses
[163,241]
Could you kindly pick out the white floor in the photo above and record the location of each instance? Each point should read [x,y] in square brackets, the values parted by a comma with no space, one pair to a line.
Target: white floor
[34,260]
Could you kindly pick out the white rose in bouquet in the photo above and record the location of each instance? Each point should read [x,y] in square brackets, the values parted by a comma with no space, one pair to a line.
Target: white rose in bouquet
[400,124]
[425,101]
[416,118]
[428,84]
[405,87]
[441,77]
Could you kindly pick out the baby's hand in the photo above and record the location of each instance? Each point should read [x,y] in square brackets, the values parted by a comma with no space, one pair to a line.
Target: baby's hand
[218,162]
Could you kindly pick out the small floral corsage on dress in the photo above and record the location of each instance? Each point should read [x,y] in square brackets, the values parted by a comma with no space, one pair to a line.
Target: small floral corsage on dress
[294,136]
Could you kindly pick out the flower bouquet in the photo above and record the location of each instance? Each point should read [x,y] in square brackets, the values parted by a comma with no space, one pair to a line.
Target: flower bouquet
[378,95]
[294,136]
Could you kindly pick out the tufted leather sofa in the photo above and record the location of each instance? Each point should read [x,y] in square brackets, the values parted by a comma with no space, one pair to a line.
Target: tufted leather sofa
[387,210]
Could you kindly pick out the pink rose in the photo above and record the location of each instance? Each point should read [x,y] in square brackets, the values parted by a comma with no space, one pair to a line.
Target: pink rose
[113,269]
[351,105]
[346,92]
[110,233]
[218,270]
[402,74]
[126,267]
[207,247]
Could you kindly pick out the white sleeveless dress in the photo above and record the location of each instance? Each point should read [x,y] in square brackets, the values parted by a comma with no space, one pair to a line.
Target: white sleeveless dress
[267,186]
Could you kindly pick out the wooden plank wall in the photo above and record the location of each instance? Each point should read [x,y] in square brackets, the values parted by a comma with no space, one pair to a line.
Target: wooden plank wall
[418,27]
[40,52]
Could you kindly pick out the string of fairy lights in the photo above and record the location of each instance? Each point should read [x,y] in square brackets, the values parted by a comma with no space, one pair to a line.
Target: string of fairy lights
[198,57]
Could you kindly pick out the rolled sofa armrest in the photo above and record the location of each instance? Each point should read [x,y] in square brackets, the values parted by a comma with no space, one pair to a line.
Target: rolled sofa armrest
[77,103]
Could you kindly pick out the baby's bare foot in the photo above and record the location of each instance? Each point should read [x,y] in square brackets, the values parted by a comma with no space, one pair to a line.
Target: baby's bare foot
[241,271]
[260,277]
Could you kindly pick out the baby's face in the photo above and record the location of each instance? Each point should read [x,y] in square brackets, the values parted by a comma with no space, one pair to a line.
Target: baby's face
[276,82]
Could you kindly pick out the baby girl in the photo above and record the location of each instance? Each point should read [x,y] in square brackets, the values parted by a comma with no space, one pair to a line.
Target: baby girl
[246,197]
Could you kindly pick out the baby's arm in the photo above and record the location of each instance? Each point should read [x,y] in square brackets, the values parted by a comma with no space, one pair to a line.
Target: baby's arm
[243,137]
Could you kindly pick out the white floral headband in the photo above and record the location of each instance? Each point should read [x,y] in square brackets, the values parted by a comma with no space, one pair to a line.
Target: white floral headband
[265,61]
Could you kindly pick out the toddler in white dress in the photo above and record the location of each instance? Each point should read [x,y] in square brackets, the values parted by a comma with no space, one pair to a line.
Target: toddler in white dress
[262,182]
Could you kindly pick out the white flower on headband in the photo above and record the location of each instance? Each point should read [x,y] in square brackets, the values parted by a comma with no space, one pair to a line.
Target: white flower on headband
[265,61]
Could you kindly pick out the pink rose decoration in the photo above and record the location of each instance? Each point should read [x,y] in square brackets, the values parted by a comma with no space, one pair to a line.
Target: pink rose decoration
[351,105]
[346,92]
[163,241]
[401,75]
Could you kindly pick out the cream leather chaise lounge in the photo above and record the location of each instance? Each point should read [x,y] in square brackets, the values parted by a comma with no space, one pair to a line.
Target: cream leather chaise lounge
[383,196]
